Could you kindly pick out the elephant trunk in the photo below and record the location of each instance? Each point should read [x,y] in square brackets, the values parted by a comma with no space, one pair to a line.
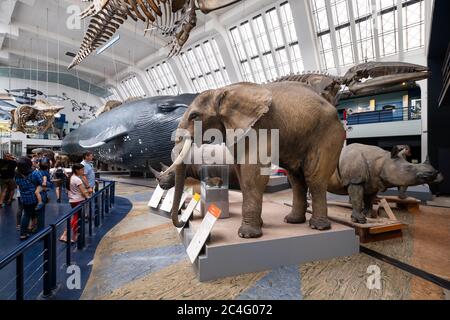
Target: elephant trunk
[180,176]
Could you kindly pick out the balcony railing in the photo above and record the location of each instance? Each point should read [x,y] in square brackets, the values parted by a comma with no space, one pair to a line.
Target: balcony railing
[403,114]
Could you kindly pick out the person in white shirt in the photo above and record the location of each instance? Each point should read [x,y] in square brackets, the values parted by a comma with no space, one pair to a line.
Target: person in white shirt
[77,194]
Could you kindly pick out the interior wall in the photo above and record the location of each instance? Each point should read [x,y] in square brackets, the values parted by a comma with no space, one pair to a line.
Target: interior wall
[80,106]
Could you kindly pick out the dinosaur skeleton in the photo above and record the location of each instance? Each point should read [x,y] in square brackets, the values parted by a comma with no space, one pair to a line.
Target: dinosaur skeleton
[171,18]
[34,119]
[360,79]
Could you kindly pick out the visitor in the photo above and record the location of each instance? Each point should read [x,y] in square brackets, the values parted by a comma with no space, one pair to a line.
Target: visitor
[8,185]
[59,176]
[28,180]
[77,194]
[89,174]
[46,183]
[19,209]
[35,161]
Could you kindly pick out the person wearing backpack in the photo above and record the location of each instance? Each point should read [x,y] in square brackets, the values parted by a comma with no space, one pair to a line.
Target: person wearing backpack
[59,177]
[28,180]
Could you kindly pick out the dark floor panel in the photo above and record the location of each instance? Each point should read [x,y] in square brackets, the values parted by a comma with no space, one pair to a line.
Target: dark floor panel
[9,239]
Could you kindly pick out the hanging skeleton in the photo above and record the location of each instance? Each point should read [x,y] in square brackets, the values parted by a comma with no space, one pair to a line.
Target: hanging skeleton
[170,18]
[363,78]
[34,119]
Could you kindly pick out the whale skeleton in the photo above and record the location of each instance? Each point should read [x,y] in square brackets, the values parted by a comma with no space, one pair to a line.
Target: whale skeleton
[173,19]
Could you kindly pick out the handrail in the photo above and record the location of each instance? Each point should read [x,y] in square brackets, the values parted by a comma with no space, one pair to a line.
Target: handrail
[23,247]
[380,116]
[77,208]
[100,202]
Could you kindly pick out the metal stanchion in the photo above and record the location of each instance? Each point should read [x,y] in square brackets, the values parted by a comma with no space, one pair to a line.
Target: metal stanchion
[54,259]
[19,278]
[81,228]
[90,218]
[69,241]
[47,266]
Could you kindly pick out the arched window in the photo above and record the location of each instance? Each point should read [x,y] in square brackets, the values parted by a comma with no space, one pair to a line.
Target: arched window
[266,44]
[162,79]
[204,66]
[132,87]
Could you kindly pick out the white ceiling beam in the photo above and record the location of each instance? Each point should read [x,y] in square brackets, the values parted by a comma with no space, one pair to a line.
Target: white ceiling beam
[307,38]
[6,10]
[44,59]
[4,55]
[242,10]
[54,37]
[8,29]
[226,49]
[333,36]
[400,47]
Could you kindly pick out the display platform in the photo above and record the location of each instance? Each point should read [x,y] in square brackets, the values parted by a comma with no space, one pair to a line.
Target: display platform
[385,227]
[422,192]
[282,244]
[277,183]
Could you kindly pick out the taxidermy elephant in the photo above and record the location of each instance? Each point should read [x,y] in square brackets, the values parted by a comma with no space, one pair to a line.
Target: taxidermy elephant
[310,141]
[364,171]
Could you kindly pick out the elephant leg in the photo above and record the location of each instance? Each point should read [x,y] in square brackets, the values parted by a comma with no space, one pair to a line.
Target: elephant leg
[253,185]
[368,206]
[402,192]
[356,193]
[299,204]
[319,219]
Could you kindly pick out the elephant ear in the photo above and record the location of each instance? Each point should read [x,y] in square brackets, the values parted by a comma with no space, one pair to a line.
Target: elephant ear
[241,105]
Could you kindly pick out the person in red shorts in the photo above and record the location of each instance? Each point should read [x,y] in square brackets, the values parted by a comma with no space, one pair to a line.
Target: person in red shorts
[77,194]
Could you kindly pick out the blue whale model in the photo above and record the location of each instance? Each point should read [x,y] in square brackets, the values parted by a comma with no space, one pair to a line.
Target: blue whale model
[134,136]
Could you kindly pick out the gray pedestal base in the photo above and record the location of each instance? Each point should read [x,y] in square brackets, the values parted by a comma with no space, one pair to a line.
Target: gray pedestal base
[282,244]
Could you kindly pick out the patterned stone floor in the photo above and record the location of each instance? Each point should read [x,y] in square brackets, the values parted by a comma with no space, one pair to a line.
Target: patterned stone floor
[142,258]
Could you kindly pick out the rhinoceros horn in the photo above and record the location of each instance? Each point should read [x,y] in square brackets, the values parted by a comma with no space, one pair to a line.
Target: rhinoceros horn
[155,172]
[163,166]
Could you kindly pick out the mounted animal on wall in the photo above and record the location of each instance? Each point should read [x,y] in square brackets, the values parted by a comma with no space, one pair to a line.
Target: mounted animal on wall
[304,120]
[34,119]
[364,171]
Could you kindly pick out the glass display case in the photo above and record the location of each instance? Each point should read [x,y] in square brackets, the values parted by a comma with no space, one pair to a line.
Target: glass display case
[214,188]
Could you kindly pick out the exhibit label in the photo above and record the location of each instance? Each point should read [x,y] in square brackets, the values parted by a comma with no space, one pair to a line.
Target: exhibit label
[168,200]
[156,197]
[189,210]
[203,232]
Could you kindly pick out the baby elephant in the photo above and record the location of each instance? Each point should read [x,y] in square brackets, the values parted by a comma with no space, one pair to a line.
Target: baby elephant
[364,171]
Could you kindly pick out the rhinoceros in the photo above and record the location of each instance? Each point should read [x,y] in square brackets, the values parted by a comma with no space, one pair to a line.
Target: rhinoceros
[364,171]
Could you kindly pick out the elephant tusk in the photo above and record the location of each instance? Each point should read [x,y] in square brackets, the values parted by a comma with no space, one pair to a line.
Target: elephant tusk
[179,160]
